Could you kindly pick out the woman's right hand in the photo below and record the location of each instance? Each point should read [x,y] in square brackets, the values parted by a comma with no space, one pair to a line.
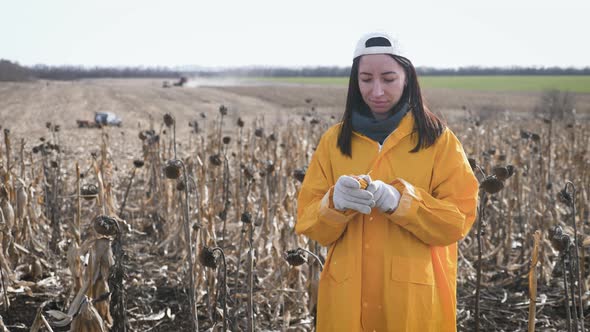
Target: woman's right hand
[349,195]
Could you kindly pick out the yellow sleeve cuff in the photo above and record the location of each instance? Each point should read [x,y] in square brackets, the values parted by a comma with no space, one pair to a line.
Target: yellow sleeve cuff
[331,216]
[408,203]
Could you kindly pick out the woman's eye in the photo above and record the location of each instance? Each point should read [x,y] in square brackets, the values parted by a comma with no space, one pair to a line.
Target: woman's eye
[366,80]
[389,80]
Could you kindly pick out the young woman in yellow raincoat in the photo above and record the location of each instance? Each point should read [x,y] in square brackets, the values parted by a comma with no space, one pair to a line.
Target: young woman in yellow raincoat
[392,258]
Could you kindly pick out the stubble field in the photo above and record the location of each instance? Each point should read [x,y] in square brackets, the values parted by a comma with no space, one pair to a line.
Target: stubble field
[243,163]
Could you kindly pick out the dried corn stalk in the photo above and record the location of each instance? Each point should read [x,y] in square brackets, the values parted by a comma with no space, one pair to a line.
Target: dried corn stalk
[97,273]
[95,283]
[533,282]
[21,200]
[2,326]
[82,316]
[40,321]
[75,266]
[7,210]
[88,319]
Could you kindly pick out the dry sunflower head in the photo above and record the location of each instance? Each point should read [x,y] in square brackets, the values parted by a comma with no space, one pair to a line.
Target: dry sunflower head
[564,196]
[223,110]
[168,120]
[299,174]
[246,217]
[195,125]
[511,170]
[207,258]
[105,225]
[145,134]
[491,184]
[525,134]
[172,169]
[215,159]
[503,173]
[259,132]
[89,191]
[295,257]
[54,147]
[559,240]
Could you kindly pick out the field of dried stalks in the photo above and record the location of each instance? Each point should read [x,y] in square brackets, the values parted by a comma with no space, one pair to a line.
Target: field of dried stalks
[184,216]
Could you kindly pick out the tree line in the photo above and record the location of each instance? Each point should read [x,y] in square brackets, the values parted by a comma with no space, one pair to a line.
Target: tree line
[12,71]
[425,71]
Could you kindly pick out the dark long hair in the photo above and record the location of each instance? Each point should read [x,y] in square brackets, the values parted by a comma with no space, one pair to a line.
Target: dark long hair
[427,125]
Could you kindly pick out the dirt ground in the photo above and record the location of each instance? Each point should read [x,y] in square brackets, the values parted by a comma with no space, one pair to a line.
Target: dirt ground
[26,107]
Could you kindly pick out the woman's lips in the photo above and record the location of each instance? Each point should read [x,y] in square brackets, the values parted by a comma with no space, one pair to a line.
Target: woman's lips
[380,103]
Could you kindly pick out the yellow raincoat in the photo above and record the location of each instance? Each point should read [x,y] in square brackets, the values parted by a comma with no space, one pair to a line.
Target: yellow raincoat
[390,272]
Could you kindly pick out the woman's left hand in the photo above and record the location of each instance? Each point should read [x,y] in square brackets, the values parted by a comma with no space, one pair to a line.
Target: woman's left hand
[386,196]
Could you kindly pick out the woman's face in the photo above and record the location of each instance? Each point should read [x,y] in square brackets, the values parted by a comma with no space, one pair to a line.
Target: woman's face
[381,82]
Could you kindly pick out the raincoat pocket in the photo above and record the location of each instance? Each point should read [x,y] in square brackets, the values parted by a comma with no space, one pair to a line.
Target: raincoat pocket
[412,269]
[338,266]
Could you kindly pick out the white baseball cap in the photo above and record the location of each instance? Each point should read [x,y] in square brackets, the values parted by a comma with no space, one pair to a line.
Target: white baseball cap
[376,43]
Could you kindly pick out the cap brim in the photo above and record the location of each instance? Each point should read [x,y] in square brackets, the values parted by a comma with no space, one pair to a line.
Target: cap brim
[374,50]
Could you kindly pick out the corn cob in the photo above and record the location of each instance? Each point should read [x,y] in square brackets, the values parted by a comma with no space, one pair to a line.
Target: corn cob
[362,182]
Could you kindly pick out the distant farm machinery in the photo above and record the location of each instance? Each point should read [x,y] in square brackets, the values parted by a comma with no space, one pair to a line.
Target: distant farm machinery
[101,119]
[181,82]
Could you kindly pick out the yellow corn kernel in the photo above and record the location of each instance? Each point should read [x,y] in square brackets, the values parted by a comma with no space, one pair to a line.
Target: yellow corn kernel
[362,181]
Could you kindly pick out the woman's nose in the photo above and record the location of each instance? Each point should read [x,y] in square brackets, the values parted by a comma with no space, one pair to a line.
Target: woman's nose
[377,89]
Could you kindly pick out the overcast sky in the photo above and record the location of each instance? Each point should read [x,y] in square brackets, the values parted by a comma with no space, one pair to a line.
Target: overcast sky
[226,33]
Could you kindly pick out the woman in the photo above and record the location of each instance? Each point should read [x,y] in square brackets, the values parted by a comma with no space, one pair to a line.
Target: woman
[392,259]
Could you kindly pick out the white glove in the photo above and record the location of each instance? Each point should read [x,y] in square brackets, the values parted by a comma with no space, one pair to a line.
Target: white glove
[386,196]
[349,195]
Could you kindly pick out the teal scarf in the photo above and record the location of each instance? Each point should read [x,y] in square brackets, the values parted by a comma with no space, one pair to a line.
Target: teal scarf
[365,123]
